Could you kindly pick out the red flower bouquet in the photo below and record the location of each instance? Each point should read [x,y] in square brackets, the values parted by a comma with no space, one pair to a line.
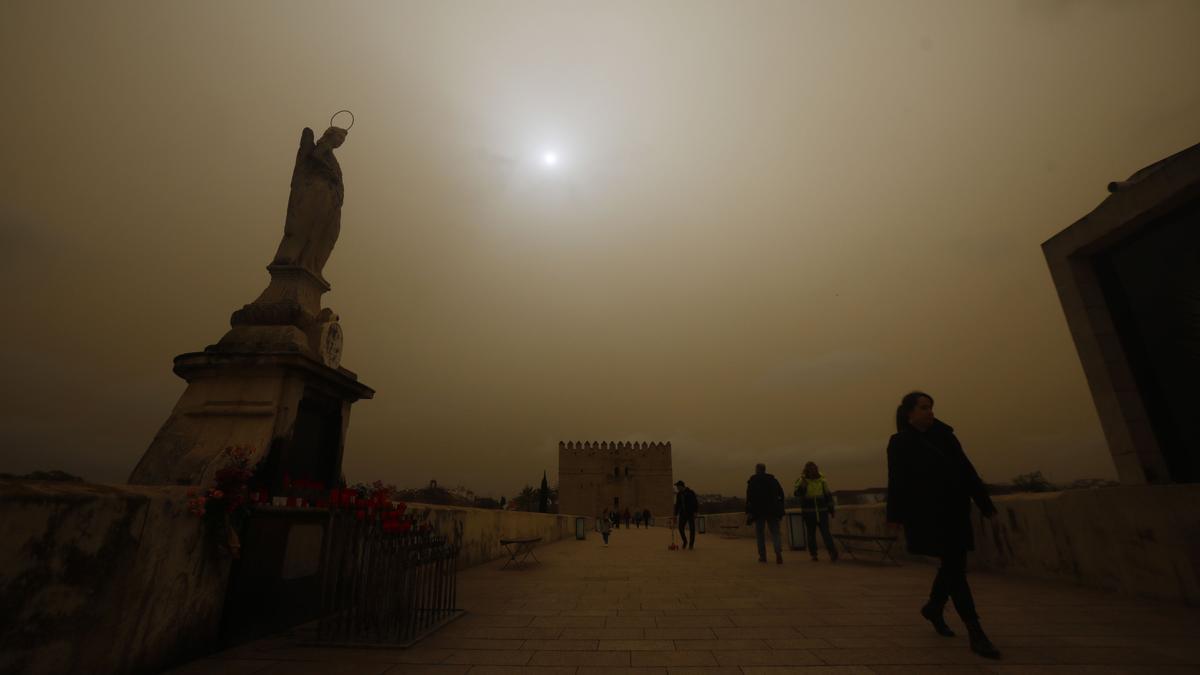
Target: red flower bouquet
[224,506]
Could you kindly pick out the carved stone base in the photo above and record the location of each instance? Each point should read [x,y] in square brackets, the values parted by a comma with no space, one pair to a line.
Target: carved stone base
[286,317]
[291,284]
[251,339]
[283,404]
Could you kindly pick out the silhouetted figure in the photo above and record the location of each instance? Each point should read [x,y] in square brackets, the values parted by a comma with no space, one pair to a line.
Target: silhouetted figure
[686,506]
[605,522]
[816,506]
[646,517]
[627,517]
[931,484]
[765,506]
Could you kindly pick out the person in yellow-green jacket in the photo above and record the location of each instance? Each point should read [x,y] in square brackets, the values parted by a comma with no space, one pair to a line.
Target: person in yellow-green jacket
[816,506]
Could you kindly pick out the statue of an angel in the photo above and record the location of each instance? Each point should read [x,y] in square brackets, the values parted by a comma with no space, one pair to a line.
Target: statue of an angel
[314,210]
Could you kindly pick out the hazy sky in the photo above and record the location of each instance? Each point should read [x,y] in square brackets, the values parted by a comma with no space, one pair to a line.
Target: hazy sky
[769,221]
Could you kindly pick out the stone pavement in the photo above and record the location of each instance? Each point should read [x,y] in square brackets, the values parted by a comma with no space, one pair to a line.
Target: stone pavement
[635,607]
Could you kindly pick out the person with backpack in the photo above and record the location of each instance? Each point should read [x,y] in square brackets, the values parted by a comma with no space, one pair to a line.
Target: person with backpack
[686,507]
[816,506]
[765,506]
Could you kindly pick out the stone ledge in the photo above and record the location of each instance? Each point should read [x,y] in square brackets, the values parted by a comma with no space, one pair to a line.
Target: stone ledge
[1142,540]
[84,567]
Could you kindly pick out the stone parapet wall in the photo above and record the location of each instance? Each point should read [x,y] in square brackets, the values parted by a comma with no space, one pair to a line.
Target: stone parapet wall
[484,528]
[732,525]
[103,579]
[1141,540]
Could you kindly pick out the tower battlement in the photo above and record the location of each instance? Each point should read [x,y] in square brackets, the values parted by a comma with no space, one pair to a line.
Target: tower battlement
[598,475]
[590,448]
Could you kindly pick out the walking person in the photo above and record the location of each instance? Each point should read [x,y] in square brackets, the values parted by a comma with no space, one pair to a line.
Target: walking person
[646,517]
[686,506]
[626,515]
[816,506]
[765,506]
[605,522]
[931,485]
[637,519]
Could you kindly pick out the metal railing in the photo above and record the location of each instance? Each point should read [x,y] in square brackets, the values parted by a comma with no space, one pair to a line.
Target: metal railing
[386,582]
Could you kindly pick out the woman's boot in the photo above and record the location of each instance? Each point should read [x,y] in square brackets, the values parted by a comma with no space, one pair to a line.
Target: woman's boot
[934,616]
[980,644]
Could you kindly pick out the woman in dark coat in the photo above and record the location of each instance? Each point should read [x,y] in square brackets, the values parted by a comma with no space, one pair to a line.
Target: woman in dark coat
[931,485]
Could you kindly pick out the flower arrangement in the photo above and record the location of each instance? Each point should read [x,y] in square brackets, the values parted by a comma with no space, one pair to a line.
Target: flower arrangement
[374,502]
[225,505]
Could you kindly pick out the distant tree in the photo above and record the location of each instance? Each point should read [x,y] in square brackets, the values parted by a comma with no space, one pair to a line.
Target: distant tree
[544,495]
[1033,482]
[1001,488]
[526,500]
[463,493]
[433,494]
[1089,483]
[488,503]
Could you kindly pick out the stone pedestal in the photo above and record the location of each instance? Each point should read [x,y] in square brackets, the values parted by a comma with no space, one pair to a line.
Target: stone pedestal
[273,382]
[286,317]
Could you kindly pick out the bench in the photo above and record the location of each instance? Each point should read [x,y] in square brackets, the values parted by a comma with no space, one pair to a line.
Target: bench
[883,544]
[520,550]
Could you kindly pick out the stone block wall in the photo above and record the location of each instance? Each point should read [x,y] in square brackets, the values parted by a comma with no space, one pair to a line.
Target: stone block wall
[103,579]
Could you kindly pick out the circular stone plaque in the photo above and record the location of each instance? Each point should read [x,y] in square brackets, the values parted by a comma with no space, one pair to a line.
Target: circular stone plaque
[331,344]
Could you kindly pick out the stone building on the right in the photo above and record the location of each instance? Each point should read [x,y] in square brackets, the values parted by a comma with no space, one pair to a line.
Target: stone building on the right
[1128,277]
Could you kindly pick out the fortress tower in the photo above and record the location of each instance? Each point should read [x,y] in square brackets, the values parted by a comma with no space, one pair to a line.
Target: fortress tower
[594,475]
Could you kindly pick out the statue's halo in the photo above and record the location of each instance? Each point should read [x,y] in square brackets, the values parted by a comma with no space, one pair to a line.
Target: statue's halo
[331,117]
